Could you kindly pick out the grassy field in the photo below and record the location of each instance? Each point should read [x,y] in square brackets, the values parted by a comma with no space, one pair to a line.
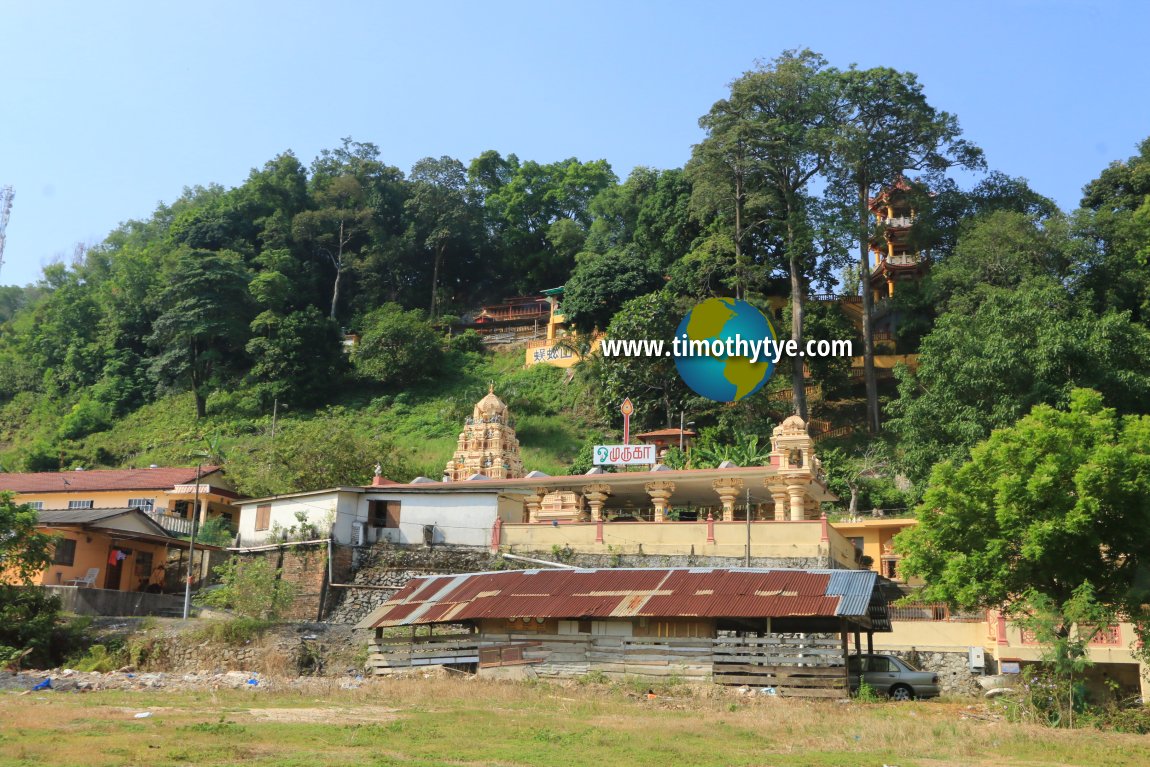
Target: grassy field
[472,722]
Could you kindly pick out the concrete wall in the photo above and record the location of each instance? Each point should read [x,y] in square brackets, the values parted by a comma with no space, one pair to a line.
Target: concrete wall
[116,603]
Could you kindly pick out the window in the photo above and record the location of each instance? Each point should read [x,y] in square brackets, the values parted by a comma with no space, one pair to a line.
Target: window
[79,504]
[37,505]
[144,504]
[263,517]
[383,513]
[182,509]
[891,569]
[857,541]
[65,552]
[144,564]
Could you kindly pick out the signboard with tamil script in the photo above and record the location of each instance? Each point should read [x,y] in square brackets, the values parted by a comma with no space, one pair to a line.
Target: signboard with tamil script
[624,455]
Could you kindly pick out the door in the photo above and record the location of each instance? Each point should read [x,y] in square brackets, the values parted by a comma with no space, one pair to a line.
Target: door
[881,673]
[115,569]
[117,556]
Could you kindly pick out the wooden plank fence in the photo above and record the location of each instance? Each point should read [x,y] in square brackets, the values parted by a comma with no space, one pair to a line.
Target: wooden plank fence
[806,668]
[810,667]
[387,653]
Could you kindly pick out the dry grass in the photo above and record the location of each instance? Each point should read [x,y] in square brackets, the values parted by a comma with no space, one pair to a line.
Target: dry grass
[462,721]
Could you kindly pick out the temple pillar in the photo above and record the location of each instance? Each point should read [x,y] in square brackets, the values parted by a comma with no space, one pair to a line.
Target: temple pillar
[532,503]
[728,490]
[596,495]
[660,493]
[779,496]
[798,496]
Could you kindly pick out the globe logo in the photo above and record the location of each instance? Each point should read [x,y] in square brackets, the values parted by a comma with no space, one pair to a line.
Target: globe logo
[723,377]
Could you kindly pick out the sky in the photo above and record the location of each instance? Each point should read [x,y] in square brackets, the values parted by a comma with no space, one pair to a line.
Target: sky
[107,109]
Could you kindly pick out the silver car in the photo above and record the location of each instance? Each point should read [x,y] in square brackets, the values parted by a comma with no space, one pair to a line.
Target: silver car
[892,676]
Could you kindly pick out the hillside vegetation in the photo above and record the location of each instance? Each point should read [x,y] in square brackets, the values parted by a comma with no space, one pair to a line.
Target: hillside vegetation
[176,338]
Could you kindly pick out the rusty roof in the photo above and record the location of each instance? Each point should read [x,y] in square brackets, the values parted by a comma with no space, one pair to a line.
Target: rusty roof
[94,480]
[623,592]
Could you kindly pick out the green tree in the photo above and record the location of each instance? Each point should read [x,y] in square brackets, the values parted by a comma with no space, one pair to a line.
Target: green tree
[200,336]
[24,550]
[1001,249]
[397,347]
[984,369]
[296,358]
[1115,220]
[1055,503]
[601,284]
[443,220]
[653,385]
[885,128]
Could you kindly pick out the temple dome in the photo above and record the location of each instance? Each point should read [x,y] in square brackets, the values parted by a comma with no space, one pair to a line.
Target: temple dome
[792,425]
[490,405]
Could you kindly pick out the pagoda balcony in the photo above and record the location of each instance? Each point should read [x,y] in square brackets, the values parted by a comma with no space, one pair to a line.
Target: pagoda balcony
[903,259]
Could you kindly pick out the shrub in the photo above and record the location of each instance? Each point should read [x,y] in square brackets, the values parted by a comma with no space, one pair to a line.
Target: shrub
[251,588]
[865,693]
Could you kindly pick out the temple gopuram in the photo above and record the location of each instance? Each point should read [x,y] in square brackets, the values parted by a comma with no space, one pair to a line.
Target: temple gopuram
[487,445]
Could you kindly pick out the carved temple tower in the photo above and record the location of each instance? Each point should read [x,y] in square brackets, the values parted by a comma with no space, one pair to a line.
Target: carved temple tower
[487,445]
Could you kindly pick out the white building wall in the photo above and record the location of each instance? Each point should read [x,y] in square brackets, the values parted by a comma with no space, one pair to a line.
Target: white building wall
[457,519]
[334,507]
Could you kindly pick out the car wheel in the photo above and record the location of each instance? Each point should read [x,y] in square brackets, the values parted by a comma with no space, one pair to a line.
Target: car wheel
[901,692]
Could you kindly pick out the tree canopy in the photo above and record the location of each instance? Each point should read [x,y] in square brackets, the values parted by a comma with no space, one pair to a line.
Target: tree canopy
[1055,501]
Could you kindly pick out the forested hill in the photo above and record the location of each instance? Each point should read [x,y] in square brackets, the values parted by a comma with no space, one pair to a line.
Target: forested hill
[187,332]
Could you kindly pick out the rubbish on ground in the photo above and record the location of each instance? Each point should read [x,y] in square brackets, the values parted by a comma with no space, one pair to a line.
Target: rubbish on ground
[45,685]
[143,715]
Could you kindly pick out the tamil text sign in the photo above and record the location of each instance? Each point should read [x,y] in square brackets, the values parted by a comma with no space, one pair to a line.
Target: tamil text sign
[624,455]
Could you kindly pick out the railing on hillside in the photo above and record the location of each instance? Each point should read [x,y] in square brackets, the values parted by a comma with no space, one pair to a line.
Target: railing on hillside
[172,523]
[933,612]
[835,297]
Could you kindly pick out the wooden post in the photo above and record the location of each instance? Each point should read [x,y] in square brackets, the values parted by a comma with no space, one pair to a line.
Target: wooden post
[870,642]
[858,643]
[846,657]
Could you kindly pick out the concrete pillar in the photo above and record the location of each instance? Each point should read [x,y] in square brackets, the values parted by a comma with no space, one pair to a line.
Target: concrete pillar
[728,490]
[660,493]
[798,498]
[203,514]
[596,495]
[779,496]
[532,503]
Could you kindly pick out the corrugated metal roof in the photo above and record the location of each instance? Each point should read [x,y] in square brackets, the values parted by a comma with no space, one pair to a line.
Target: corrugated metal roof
[162,478]
[648,592]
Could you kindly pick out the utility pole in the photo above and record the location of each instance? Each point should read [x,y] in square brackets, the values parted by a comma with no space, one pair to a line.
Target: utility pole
[192,543]
[748,527]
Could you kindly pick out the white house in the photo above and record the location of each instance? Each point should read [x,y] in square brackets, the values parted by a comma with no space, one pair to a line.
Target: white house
[417,513]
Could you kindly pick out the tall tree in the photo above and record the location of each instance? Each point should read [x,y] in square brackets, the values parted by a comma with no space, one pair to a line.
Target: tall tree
[765,145]
[199,338]
[885,128]
[441,216]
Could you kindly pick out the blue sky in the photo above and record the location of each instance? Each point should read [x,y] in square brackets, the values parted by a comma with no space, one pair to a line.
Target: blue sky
[108,108]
